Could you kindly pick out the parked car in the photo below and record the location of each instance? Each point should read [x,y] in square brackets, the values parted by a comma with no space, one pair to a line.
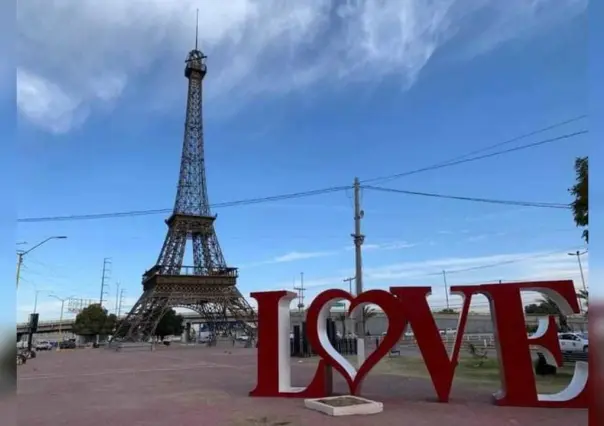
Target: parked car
[573,342]
[67,344]
[43,345]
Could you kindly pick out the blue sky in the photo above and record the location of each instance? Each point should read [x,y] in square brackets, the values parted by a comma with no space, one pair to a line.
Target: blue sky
[299,98]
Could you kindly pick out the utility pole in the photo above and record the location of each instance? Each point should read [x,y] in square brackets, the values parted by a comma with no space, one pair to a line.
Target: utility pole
[117,296]
[358,238]
[62,300]
[579,254]
[105,278]
[300,291]
[446,288]
[349,281]
[119,306]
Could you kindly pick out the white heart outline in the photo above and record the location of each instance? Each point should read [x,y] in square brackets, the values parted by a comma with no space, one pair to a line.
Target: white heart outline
[324,314]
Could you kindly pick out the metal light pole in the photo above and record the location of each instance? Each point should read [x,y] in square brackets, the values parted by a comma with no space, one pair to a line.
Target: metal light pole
[117,297]
[62,300]
[349,281]
[579,254]
[20,254]
[36,299]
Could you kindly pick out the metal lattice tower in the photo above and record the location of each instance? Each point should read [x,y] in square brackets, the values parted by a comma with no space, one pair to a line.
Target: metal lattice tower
[209,285]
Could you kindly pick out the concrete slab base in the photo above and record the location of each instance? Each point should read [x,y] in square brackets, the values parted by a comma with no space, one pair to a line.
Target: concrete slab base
[346,405]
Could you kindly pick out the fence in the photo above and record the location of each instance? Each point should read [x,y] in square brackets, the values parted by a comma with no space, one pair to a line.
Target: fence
[348,346]
[300,347]
[488,342]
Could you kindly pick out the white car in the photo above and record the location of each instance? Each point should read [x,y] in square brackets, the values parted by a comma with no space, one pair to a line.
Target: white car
[573,342]
[43,345]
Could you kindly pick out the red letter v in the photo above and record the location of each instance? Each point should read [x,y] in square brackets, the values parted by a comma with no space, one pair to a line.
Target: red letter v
[416,311]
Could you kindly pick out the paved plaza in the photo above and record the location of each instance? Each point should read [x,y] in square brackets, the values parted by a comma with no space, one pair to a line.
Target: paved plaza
[198,386]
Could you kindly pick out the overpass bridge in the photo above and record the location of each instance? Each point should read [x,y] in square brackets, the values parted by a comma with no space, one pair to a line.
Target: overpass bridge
[66,326]
[477,323]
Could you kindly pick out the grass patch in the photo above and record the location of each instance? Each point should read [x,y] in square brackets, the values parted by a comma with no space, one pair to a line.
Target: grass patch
[467,371]
[486,375]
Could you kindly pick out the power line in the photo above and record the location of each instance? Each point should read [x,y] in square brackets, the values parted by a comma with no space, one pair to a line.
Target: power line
[449,163]
[476,158]
[475,199]
[132,213]
[509,141]
[517,138]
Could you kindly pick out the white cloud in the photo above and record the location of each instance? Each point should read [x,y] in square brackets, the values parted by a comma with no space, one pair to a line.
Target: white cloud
[292,256]
[296,255]
[393,245]
[46,104]
[523,266]
[81,54]
[533,266]
[477,238]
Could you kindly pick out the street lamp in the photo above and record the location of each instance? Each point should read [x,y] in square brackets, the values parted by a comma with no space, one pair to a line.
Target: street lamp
[349,281]
[36,299]
[20,254]
[62,300]
[579,254]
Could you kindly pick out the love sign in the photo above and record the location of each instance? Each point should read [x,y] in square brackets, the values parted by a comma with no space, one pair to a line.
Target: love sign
[405,306]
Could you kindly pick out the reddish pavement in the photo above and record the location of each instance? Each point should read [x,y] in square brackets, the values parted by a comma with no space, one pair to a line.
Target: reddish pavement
[208,386]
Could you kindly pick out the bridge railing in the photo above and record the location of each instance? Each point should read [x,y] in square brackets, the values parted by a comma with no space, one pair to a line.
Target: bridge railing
[192,270]
[47,324]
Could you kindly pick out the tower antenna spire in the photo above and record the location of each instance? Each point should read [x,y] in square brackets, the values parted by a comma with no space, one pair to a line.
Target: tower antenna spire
[197,29]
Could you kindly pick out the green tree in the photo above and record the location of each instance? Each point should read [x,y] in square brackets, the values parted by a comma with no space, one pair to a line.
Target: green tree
[447,311]
[94,320]
[584,295]
[342,318]
[171,324]
[580,193]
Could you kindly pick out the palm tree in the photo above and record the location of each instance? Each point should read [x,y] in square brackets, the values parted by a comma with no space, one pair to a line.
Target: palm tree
[552,308]
[368,312]
[584,295]
[342,318]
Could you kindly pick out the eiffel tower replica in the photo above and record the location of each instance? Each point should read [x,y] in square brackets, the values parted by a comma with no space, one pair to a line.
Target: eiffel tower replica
[209,286]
